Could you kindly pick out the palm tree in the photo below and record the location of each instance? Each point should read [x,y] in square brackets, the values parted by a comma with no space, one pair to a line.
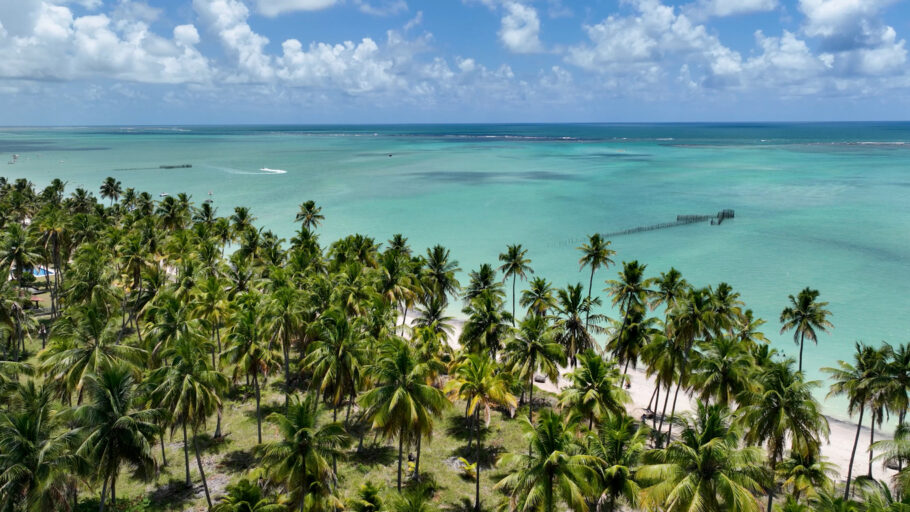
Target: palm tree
[191,389]
[555,468]
[287,310]
[575,334]
[85,340]
[477,381]
[804,316]
[250,349]
[515,264]
[299,457]
[723,370]
[857,381]
[806,475]
[310,215]
[439,272]
[17,252]
[595,254]
[111,189]
[782,409]
[336,358]
[37,451]
[705,469]
[617,447]
[481,280]
[670,288]
[487,324]
[627,345]
[117,432]
[596,391]
[538,298]
[532,349]
[245,496]
[402,402]
[630,290]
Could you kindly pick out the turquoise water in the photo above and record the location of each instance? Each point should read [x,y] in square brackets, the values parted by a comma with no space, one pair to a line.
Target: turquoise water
[821,205]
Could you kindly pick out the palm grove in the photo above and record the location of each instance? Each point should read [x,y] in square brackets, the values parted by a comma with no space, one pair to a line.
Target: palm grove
[160,317]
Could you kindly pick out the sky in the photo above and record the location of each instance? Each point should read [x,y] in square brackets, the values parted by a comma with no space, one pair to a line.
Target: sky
[82,62]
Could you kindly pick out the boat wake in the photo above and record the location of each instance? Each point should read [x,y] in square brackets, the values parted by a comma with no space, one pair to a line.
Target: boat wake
[273,171]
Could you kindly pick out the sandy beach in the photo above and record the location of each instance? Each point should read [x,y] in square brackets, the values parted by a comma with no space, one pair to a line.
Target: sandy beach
[836,450]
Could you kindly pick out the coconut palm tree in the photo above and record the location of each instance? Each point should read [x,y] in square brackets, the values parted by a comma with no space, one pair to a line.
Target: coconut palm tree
[191,389]
[630,290]
[722,370]
[402,403]
[538,298]
[309,215]
[596,391]
[705,469]
[487,325]
[299,458]
[17,252]
[627,345]
[249,348]
[111,189]
[37,451]
[481,280]
[85,340]
[439,272]
[617,447]
[806,475]
[245,496]
[858,382]
[336,358]
[574,333]
[515,264]
[118,432]
[781,409]
[477,381]
[805,316]
[595,254]
[532,349]
[555,469]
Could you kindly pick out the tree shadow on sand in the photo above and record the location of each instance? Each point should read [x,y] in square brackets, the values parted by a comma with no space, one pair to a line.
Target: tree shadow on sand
[462,428]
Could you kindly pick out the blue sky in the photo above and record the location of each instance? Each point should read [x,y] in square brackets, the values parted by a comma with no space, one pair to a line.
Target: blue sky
[75,62]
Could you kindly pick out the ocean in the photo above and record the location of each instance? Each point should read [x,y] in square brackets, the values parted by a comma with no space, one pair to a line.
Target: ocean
[820,205]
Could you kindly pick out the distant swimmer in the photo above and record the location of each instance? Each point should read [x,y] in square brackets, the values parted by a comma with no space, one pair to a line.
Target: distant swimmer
[390,155]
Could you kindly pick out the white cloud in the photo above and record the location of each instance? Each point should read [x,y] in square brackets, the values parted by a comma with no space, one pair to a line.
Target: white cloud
[414,22]
[228,19]
[520,28]
[353,68]
[650,42]
[273,8]
[53,44]
[702,9]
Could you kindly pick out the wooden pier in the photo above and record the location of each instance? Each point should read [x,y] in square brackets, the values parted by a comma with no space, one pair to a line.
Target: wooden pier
[681,220]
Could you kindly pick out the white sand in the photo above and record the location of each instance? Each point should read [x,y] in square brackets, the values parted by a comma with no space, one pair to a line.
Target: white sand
[836,450]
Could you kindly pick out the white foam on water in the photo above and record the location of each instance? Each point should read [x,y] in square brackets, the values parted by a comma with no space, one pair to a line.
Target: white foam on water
[273,171]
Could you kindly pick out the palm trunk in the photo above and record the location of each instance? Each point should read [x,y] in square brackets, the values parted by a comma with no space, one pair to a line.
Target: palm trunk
[588,308]
[400,449]
[871,442]
[287,369]
[530,411]
[103,495]
[663,412]
[477,459]
[802,340]
[205,485]
[672,412]
[303,486]
[258,398]
[163,456]
[513,300]
[186,456]
[859,426]
[653,395]
[114,489]
[417,461]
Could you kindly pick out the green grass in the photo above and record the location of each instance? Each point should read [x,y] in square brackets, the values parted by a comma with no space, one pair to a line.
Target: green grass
[234,457]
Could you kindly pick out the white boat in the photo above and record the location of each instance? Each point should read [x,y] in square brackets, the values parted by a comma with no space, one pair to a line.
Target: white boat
[163,194]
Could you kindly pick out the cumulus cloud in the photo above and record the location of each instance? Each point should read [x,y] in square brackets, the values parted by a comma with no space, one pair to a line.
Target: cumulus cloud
[352,67]
[520,28]
[651,41]
[382,8]
[53,44]
[228,20]
[273,8]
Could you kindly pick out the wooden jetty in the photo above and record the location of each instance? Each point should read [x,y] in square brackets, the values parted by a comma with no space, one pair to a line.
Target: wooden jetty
[681,220]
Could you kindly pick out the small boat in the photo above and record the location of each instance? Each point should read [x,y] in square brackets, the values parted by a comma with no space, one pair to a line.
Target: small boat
[163,194]
[207,201]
